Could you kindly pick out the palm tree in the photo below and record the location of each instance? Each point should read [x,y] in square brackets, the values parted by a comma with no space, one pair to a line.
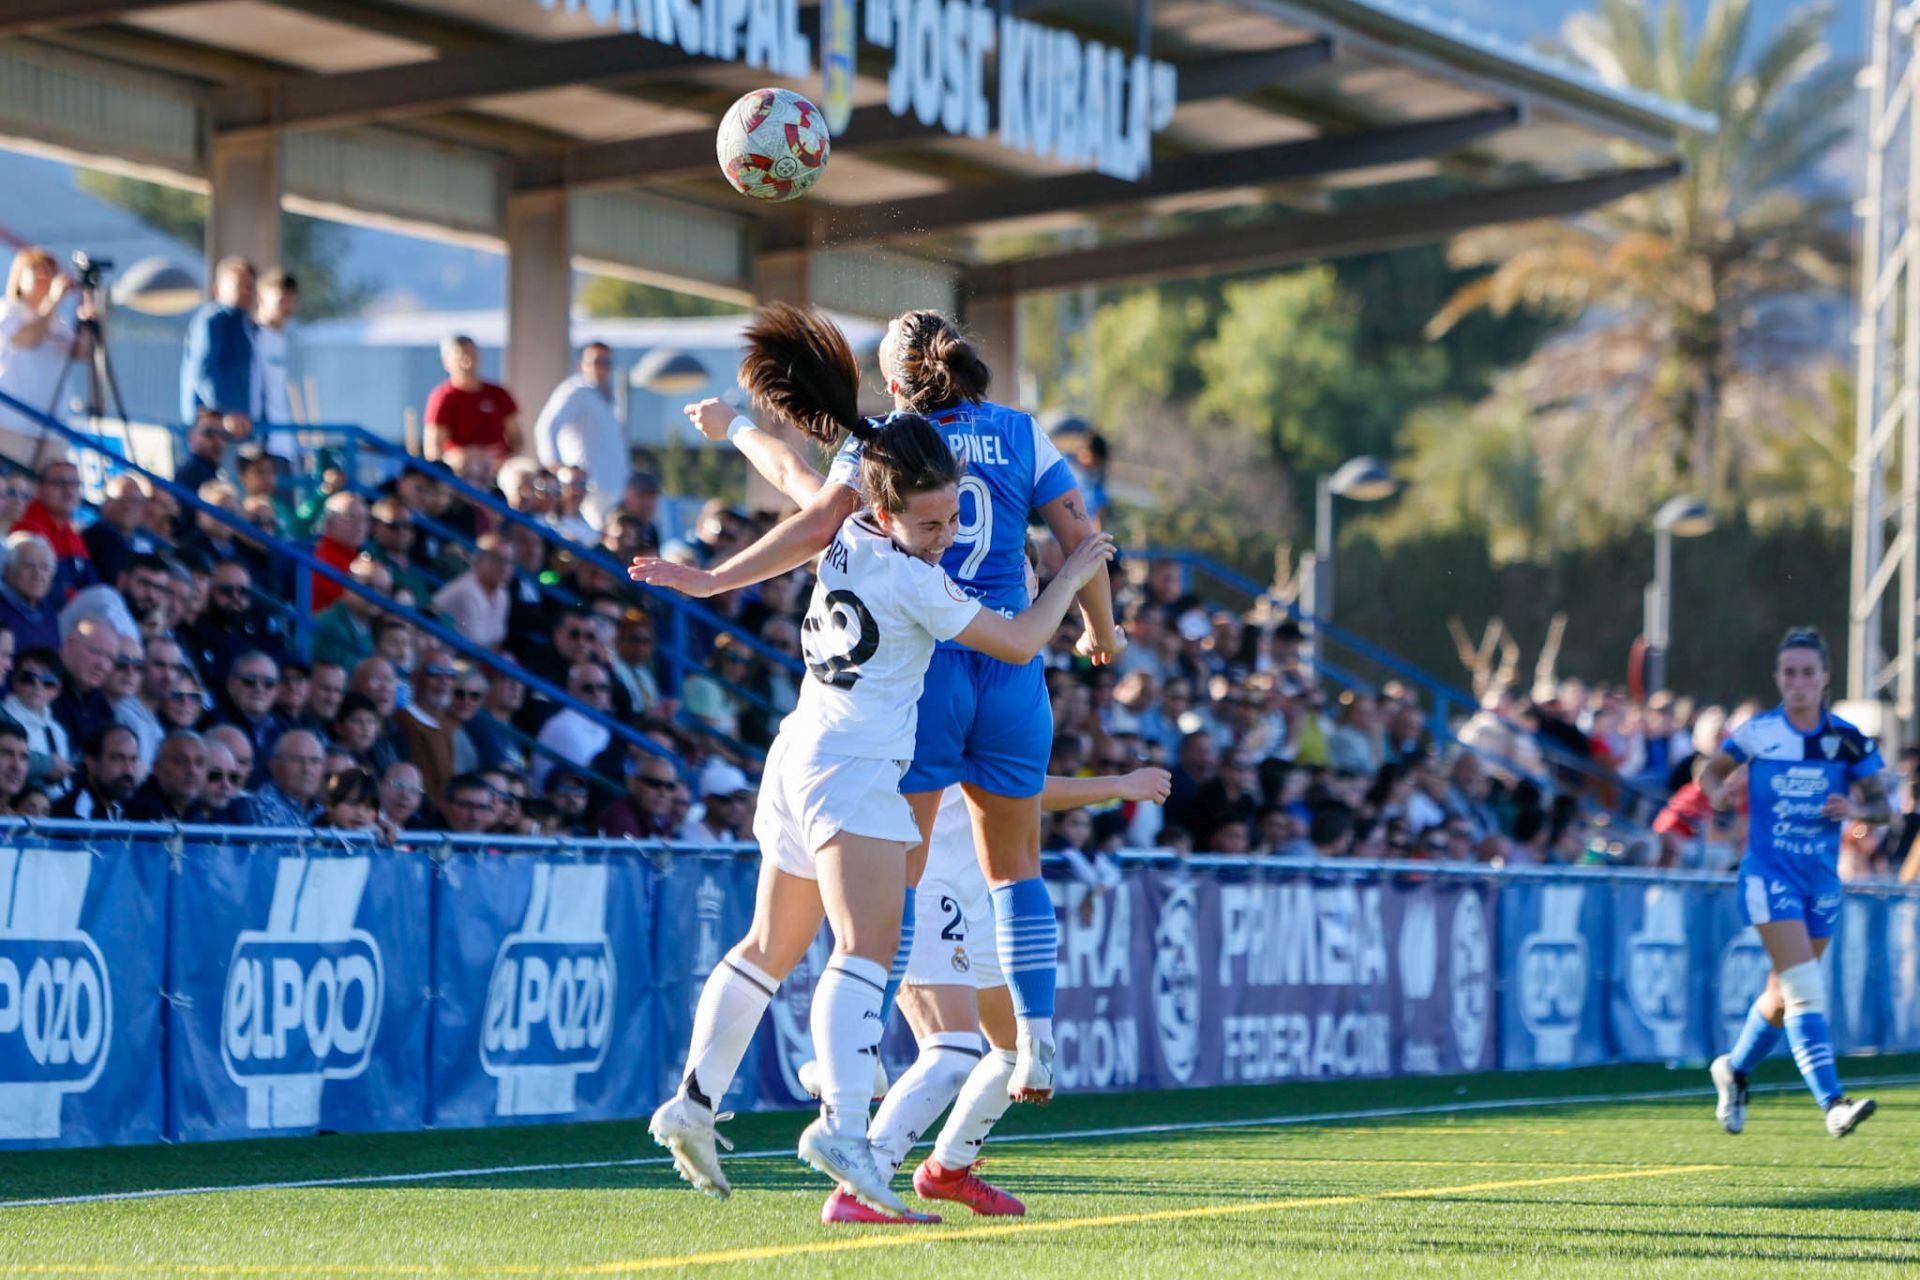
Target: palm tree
[1695,281]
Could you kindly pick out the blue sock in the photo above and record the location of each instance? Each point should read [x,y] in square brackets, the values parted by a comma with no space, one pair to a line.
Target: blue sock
[898,973]
[1757,1039]
[1813,1054]
[1028,940]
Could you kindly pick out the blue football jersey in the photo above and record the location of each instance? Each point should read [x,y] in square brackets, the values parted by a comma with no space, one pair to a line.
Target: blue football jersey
[1013,469]
[1791,774]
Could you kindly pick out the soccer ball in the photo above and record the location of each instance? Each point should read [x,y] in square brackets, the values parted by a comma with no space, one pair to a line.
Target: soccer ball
[773,145]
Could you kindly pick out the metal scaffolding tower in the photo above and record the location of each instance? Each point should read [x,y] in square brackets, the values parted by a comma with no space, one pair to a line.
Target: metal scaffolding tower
[1886,490]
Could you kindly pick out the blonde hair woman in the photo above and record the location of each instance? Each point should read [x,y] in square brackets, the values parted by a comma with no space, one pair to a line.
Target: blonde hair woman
[35,343]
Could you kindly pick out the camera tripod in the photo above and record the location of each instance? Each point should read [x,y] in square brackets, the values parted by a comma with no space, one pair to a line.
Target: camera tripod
[90,336]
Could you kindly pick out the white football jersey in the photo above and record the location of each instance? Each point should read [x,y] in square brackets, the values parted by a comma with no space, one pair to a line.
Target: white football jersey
[868,636]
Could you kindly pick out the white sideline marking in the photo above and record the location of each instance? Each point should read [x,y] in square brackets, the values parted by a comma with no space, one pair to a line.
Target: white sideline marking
[1119,1131]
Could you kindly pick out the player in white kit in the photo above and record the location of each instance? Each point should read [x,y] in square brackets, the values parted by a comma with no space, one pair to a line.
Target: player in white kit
[833,827]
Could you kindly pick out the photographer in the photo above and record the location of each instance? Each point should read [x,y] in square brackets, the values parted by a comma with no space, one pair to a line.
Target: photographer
[35,344]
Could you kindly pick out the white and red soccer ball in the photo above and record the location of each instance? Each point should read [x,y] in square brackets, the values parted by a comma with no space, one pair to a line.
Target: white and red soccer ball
[773,145]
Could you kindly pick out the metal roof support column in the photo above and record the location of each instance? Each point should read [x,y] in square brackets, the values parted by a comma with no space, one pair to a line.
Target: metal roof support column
[243,207]
[539,299]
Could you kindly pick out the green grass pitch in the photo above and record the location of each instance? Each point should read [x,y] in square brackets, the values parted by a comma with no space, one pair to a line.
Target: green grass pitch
[1587,1173]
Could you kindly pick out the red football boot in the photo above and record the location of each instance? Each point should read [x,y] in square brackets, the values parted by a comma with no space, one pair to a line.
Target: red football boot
[931,1182]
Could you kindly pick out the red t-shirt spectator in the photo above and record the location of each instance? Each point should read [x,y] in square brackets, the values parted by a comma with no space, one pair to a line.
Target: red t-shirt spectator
[324,590]
[472,419]
[72,562]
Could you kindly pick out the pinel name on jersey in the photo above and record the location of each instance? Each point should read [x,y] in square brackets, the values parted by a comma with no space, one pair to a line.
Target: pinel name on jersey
[1790,777]
[1013,469]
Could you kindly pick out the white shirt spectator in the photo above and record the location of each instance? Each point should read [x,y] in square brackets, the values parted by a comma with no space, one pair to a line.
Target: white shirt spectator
[273,403]
[578,428]
[477,614]
[45,735]
[31,374]
[103,604]
[570,736]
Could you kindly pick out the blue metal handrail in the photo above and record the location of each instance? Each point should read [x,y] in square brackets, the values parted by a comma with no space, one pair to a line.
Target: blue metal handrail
[300,556]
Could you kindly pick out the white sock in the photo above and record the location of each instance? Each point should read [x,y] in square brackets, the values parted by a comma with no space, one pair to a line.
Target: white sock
[983,1100]
[846,1038]
[736,994]
[1036,1029]
[917,1098]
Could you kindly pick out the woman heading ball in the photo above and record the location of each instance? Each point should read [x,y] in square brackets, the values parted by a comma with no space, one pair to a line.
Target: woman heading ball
[985,724]
[833,827]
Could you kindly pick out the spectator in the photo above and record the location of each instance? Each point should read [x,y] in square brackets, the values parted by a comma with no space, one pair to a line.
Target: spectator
[566,794]
[343,533]
[279,299]
[145,713]
[728,800]
[172,791]
[632,665]
[489,728]
[510,793]
[6,657]
[1329,831]
[212,538]
[402,797]
[1355,743]
[260,478]
[87,658]
[15,761]
[231,625]
[123,696]
[646,811]
[109,775]
[477,603]
[35,345]
[291,795]
[393,546]
[358,729]
[1231,797]
[568,734]
[129,606]
[376,678]
[27,606]
[1085,451]
[117,535]
[1532,838]
[471,808]
[36,684]
[50,515]
[710,696]
[226,784]
[16,491]
[1197,765]
[238,745]
[206,448]
[343,634]
[640,507]
[466,412]
[579,428]
[296,686]
[217,367]
[466,693]
[326,686]
[427,725]
[352,803]
[569,517]
[186,704]
[252,687]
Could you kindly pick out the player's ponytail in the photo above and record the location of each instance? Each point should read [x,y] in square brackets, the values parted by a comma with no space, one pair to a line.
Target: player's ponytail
[800,367]
[904,456]
[931,365]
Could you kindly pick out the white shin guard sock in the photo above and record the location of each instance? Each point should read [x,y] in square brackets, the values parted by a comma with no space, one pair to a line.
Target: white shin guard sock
[918,1097]
[983,1100]
[846,1037]
[736,994]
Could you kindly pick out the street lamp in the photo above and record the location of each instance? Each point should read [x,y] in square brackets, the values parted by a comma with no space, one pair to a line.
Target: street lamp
[1681,517]
[1361,479]
[669,372]
[157,286]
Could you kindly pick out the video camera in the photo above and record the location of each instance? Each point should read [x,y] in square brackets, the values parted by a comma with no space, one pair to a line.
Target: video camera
[88,270]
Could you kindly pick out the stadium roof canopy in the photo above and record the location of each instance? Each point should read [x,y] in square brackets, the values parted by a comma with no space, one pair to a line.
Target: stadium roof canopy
[1278,131]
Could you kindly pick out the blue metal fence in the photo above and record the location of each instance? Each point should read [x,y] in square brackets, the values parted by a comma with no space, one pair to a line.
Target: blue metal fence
[197,983]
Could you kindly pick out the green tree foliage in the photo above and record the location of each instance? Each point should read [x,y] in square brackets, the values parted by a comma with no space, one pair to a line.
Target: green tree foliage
[609,296]
[1686,290]
[310,247]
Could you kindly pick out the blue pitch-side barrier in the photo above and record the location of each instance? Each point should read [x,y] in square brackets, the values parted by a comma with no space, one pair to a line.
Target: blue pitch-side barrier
[155,988]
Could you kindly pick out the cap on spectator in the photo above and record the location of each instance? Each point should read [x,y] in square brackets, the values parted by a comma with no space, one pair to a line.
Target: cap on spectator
[722,779]
[1070,426]
[644,481]
[1193,625]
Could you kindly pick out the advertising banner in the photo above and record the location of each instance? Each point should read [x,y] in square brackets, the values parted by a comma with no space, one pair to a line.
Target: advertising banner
[1555,945]
[299,984]
[82,949]
[701,907]
[541,968]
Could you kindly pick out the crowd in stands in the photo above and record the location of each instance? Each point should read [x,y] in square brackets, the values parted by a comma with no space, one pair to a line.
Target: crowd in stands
[153,668]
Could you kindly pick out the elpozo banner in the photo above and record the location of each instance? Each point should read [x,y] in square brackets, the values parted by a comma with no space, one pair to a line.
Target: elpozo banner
[204,992]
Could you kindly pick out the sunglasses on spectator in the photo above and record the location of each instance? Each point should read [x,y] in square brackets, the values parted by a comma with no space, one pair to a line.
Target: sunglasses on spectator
[597,686]
[470,695]
[662,784]
[470,804]
[128,664]
[407,788]
[187,695]
[226,775]
[259,682]
[37,677]
[230,588]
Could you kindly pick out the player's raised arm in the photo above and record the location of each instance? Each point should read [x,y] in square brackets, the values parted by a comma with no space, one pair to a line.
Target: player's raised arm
[1066,517]
[788,545]
[1019,639]
[778,462]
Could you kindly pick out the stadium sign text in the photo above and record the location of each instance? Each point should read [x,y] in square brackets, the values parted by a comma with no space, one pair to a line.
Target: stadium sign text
[1076,101]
